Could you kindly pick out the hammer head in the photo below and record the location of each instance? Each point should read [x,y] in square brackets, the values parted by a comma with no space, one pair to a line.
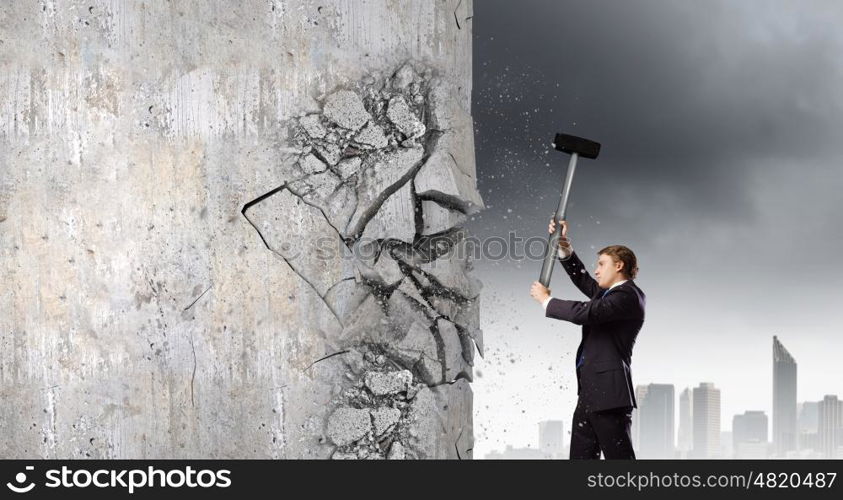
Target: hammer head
[572,144]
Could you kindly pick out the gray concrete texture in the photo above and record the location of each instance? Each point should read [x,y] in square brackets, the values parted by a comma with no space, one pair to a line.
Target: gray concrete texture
[234,229]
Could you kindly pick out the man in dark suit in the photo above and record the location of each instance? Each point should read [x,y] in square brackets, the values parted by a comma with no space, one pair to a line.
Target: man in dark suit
[610,323]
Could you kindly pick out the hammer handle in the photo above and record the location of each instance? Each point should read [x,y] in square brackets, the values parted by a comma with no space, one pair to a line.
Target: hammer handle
[553,238]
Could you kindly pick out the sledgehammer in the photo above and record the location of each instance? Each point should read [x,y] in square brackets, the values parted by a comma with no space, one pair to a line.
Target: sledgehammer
[576,147]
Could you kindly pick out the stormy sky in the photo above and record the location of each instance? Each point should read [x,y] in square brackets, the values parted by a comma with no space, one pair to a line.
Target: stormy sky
[721,132]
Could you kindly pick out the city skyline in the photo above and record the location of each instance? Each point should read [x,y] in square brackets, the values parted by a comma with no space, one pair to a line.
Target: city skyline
[741,447]
[655,435]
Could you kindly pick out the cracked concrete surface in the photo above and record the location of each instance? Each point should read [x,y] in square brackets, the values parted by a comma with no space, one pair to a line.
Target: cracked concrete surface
[354,224]
[214,251]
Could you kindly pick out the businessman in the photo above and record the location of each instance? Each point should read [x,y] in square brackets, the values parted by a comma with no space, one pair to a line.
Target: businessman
[610,321]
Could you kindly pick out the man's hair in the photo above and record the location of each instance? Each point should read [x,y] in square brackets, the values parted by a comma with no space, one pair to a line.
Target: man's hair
[625,255]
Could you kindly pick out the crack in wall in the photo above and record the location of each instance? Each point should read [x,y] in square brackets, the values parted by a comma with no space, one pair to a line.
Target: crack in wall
[323,358]
[301,275]
[197,298]
[455,15]
[192,375]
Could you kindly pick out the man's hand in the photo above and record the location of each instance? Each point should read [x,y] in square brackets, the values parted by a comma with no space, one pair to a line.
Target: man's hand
[539,292]
[564,242]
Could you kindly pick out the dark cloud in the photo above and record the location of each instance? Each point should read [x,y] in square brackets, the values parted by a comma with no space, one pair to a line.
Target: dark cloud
[660,81]
[692,101]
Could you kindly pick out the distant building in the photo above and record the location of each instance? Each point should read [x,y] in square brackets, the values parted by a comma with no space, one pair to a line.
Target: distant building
[655,421]
[706,419]
[830,423]
[784,399]
[552,439]
[685,441]
[635,428]
[751,426]
[749,435]
[807,426]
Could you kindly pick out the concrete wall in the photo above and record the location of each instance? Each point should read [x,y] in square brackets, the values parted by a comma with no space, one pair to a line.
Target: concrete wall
[233,229]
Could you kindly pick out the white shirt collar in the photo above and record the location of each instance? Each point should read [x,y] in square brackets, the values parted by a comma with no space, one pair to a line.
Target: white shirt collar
[618,283]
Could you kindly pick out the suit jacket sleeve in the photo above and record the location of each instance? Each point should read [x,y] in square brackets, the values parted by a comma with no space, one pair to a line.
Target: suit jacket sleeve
[617,305]
[579,275]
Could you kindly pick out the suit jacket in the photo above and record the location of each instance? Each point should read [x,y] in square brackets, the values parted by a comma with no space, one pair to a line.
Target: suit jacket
[610,325]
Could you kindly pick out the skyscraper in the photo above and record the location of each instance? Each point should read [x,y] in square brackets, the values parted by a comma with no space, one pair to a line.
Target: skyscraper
[686,422]
[656,421]
[706,420]
[552,438]
[784,399]
[830,413]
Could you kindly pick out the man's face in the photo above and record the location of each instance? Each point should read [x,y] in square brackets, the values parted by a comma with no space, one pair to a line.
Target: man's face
[607,271]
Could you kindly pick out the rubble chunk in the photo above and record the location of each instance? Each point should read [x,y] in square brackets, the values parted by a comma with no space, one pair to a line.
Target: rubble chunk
[400,114]
[312,125]
[347,425]
[349,166]
[330,151]
[384,383]
[384,419]
[371,136]
[345,108]
[310,164]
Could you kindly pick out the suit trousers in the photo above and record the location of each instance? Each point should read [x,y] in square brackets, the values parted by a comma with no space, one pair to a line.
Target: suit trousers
[605,430]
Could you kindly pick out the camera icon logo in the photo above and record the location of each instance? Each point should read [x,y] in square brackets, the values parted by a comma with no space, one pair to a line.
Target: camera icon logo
[20,478]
